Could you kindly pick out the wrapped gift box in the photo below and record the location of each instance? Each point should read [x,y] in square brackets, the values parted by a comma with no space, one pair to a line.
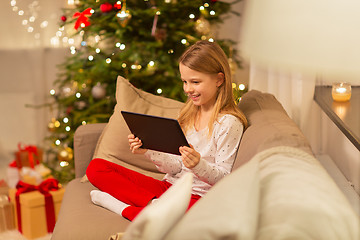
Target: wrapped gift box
[13,174]
[35,175]
[28,156]
[6,214]
[33,212]
[4,188]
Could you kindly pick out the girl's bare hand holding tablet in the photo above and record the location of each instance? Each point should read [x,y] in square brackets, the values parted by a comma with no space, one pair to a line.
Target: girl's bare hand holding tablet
[135,144]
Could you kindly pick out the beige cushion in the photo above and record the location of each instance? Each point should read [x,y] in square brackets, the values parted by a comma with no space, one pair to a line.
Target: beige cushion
[269,126]
[113,142]
[228,211]
[159,217]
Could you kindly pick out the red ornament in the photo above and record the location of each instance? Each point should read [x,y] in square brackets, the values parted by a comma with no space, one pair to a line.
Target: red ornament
[117,5]
[106,7]
[69,109]
[63,18]
[83,18]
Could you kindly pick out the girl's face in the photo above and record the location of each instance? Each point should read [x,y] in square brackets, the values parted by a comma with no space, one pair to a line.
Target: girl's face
[200,87]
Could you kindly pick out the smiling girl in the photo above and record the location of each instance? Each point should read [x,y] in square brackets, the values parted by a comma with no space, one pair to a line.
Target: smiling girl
[213,126]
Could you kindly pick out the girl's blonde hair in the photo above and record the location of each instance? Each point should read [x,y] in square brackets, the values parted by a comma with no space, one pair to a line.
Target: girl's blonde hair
[208,57]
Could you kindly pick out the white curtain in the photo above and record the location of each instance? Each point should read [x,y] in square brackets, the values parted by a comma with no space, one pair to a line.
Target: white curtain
[295,92]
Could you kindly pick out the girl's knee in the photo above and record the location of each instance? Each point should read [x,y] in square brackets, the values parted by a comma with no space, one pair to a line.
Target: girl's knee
[94,167]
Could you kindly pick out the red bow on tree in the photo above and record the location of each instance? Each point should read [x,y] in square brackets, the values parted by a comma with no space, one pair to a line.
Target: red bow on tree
[83,18]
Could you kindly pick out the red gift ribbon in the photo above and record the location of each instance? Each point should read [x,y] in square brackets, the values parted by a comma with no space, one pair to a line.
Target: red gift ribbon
[47,185]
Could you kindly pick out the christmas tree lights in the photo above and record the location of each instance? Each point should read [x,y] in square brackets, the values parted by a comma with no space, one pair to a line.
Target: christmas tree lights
[140,40]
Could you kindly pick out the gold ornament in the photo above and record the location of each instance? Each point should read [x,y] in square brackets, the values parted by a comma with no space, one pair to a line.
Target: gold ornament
[233,66]
[232,63]
[124,15]
[53,124]
[65,154]
[202,26]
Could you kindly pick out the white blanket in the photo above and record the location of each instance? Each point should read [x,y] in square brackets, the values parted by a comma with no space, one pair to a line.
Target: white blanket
[299,200]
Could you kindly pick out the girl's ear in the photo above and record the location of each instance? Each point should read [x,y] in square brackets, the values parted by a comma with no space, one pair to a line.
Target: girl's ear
[220,79]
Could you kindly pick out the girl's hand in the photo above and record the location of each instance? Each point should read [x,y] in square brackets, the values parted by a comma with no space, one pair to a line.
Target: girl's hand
[189,156]
[135,144]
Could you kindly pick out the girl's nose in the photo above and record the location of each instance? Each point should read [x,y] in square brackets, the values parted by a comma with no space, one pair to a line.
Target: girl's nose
[187,88]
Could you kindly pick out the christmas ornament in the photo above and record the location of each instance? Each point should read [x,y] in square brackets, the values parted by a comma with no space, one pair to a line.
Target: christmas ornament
[98,91]
[233,66]
[69,109]
[117,5]
[153,29]
[106,7]
[80,105]
[124,15]
[202,26]
[151,67]
[69,89]
[82,18]
[65,154]
[63,18]
[53,125]
[160,34]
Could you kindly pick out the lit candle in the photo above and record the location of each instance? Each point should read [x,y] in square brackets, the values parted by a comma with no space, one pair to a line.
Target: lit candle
[341,92]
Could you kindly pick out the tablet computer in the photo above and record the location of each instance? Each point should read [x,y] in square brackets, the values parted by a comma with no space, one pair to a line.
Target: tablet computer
[156,133]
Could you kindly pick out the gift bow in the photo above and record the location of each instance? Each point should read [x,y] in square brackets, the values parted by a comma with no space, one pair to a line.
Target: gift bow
[47,185]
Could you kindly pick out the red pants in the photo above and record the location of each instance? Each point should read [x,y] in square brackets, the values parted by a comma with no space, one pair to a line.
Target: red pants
[128,186]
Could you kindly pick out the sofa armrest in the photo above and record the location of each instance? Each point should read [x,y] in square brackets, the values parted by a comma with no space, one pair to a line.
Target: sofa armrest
[85,140]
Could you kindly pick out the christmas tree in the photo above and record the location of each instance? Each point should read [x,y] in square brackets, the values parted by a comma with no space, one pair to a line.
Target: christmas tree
[140,40]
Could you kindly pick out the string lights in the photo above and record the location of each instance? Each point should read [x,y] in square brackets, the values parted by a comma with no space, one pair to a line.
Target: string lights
[30,17]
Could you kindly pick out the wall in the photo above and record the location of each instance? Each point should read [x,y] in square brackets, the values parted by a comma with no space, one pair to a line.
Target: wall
[345,155]
[26,79]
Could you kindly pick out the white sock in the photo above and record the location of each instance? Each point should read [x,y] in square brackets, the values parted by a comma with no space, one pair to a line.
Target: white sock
[107,201]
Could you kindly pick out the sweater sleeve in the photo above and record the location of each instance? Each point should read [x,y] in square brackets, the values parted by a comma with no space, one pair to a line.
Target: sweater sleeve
[164,162]
[227,138]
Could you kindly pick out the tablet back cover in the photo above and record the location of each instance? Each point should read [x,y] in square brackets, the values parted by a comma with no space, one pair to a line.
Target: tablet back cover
[156,133]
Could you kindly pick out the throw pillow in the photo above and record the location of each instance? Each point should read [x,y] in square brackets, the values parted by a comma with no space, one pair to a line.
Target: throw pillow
[269,126]
[159,217]
[228,211]
[113,142]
